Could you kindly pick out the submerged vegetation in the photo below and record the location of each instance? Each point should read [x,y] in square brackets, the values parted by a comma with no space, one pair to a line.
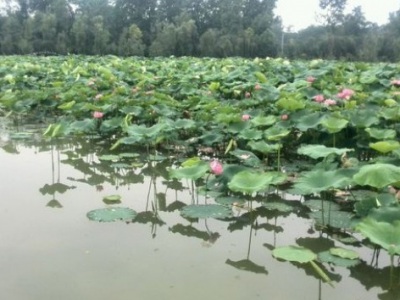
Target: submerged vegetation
[240,130]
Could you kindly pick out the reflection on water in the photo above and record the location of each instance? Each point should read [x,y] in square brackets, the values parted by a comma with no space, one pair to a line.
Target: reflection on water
[51,250]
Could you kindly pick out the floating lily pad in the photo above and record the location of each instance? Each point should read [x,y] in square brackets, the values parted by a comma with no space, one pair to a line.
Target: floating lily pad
[294,253]
[193,172]
[206,211]
[112,214]
[327,257]
[344,253]
[279,206]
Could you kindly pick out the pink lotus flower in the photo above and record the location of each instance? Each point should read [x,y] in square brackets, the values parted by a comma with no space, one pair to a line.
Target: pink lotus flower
[284,117]
[329,102]
[216,167]
[247,95]
[346,94]
[257,87]
[395,82]
[98,96]
[319,98]
[98,115]
[245,117]
[310,79]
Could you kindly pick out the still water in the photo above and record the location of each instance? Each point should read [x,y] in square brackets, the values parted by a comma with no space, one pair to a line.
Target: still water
[51,250]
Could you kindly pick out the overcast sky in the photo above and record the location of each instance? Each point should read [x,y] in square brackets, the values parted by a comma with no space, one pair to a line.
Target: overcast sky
[301,13]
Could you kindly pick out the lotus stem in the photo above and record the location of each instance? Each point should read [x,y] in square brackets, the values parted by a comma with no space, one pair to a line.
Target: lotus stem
[321,273]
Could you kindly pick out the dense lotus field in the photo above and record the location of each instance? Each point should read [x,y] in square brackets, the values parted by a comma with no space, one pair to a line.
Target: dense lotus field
[240,129]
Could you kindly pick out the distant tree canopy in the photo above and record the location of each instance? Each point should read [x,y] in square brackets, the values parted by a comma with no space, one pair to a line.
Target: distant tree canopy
[217,28]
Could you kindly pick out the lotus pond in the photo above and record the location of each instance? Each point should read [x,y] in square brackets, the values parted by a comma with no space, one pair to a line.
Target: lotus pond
[199,178]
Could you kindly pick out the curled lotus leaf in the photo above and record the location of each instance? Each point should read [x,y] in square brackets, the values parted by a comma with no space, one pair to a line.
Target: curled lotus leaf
[206,211]
[112,214]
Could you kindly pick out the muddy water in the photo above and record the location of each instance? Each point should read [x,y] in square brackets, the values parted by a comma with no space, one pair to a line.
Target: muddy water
[49,249]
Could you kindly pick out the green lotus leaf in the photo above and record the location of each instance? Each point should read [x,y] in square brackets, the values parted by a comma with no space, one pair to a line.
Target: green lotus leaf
[264,147]
[318,151]
[230,201]
[290,104]
[143,131]
[112,214]
[279,206]
[250,134]
[377,175]
[276,133]
[383,234]
[334,218]
[84,126]
[385,214]
[390,113]
[385,146]
[363,118]
[318,204]
[191,162]
[320,180]
[194,172]
[344,253]
[334,124]
[184,124]
[381,134]
[247,157]
[263,121]
[109,157]
[206,211]
[294,253]
[112,199]
[308,121]
[250,181]
[327,257]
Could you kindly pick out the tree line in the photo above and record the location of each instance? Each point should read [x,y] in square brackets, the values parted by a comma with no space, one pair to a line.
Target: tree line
[215,28]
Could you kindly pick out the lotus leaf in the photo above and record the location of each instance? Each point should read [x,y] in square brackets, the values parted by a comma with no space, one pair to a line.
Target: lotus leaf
[377,175]
[318,151]
[385,146]
[264,147]
[249,181]
[344,253]
[334,218]
[327,257]
[112,199]
[263,120]
[206,211]
[112,214]
[381,134]
[334,124]
[279,206]
[194,172]
[276,133]
[294,253]
[320,180]
[308,121]
[383,234]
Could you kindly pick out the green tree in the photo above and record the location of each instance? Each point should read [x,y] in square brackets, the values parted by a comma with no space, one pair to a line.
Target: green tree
[130,42]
